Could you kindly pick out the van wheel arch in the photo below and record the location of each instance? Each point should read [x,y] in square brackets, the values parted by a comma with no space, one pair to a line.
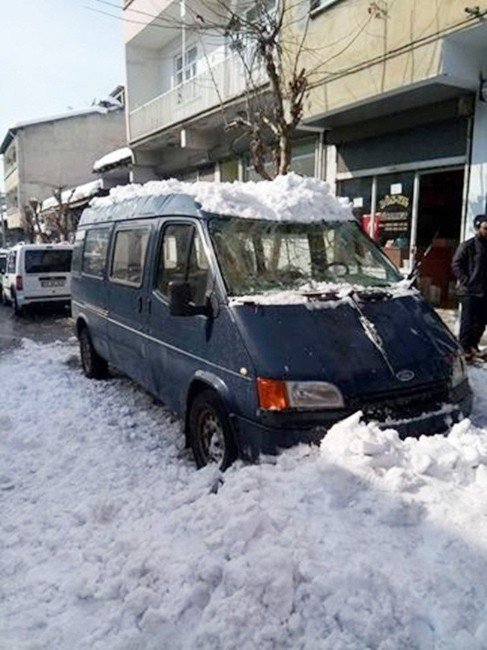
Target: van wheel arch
[197,386]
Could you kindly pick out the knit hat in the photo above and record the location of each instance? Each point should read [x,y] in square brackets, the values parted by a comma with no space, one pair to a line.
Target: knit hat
[479,219]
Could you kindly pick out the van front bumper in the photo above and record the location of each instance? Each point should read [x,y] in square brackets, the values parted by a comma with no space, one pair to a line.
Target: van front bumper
[279,430]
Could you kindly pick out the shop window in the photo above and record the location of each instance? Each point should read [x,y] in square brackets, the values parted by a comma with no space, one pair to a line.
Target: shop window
[207,174]
[303,159]
[393,215]
[359,193]
[229,170]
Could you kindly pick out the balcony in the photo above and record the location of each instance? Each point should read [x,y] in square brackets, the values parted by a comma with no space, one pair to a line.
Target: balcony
[206,91]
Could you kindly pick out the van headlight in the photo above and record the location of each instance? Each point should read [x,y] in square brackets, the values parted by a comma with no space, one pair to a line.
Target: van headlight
[459,371]
[278,395]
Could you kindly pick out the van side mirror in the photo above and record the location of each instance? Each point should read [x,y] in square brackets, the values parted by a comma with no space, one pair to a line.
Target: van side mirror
[180,303]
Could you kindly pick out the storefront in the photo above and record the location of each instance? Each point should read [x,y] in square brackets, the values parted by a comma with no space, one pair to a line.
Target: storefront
[407,189]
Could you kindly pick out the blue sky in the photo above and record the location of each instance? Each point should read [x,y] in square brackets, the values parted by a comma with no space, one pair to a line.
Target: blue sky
[56,55]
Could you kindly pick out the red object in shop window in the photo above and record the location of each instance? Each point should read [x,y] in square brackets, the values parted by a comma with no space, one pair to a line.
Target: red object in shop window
[371,227]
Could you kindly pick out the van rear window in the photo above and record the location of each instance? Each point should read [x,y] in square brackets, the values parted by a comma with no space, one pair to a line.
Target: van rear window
[48,261]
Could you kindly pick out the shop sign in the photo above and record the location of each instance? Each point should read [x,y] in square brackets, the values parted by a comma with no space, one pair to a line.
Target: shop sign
[394,212]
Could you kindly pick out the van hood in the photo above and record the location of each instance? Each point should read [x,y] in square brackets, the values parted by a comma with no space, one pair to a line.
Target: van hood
[361,346]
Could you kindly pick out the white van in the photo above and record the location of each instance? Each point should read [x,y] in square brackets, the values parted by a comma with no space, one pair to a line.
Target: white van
[37,273]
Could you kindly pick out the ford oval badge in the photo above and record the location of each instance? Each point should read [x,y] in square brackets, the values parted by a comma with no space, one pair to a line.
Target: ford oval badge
[405,375]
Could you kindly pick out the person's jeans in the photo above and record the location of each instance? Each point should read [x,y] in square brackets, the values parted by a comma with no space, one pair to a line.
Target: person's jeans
[473,321]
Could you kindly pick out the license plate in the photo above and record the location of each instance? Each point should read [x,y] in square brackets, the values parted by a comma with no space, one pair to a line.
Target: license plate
[52,283]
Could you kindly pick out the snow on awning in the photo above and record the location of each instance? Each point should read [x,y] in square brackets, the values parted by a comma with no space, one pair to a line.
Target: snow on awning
[114,158]
[74,196]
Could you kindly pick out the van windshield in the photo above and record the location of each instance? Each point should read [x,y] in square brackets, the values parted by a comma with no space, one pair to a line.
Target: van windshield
[48,261]
[259,256]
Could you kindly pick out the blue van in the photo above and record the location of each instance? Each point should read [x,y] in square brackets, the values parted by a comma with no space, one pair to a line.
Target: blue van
[259,332]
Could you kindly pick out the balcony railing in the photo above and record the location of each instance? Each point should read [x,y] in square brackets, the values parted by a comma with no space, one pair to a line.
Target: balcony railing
[212,87]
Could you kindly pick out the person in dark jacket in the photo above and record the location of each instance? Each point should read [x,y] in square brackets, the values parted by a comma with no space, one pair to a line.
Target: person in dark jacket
[470,269]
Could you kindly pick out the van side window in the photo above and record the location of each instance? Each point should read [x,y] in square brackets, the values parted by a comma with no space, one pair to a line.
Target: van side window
[79,239]
[95,251]
[129,256]
[182,258]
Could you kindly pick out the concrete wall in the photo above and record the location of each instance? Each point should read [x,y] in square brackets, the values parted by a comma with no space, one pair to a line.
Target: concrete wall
[356,50]
[62,152]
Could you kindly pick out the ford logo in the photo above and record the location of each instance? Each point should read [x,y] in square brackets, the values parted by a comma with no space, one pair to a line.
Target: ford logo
[405,375]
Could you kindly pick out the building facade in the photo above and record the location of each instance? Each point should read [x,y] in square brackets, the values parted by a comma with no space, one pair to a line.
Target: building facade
[49,155]
[402,103]
[395,118]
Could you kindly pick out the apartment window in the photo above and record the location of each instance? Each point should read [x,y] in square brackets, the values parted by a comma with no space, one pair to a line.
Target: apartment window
[316,5]
[185,70]
[129,256]
[12,200]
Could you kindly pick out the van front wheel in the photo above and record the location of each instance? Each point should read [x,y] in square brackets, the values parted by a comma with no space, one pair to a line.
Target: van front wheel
[94,366]
[212,438]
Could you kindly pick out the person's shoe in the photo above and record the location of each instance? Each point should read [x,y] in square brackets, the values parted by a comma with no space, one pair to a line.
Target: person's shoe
[471,355]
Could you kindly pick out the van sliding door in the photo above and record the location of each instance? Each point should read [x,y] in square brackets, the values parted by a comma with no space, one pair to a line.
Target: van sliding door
[127,308]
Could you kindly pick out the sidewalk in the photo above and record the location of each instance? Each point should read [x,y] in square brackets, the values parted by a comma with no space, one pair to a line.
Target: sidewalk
[450,318]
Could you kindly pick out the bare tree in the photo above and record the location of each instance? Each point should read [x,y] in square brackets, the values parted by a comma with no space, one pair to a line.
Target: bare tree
[60,219]
[32,222]
[270,50]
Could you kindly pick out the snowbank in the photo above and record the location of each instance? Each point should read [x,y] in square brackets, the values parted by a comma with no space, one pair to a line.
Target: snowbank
[286,198]
[110,538]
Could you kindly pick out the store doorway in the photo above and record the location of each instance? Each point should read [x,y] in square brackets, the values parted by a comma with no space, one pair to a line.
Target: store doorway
[439,225]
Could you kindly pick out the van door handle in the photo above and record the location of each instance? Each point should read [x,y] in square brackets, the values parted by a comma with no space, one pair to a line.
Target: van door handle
[149,306]
[139,304]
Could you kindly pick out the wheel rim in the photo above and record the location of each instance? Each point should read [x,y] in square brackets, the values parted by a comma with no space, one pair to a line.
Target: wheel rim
[85,353]
[211,436]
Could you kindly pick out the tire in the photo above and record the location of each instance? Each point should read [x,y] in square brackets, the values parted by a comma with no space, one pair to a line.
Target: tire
[18,311]
[94,366]
[5,300]
[211,434]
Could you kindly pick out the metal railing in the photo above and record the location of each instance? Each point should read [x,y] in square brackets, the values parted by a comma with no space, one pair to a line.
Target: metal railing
[215,85]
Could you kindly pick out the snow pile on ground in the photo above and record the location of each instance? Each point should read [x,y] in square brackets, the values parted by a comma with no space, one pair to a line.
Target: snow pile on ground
[110,538]
[286,198]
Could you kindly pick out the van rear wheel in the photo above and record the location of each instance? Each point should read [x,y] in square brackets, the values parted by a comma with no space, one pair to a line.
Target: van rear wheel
[18,311]
[212,438]
[94,366]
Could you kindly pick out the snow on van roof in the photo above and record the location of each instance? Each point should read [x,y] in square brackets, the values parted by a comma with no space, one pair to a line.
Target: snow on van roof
[286,198]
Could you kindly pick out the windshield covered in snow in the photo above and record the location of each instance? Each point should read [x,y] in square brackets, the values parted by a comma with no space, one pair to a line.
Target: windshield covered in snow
[259,256]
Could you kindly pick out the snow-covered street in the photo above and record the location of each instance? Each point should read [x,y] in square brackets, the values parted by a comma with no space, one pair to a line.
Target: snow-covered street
[111,540]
